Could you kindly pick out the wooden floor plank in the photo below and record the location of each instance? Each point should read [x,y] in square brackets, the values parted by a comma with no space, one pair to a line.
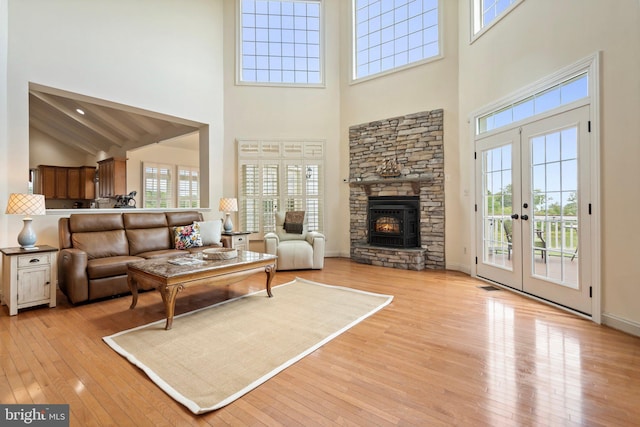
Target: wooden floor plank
[443,352]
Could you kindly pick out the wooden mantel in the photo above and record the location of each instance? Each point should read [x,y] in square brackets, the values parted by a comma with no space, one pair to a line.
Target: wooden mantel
[414,181]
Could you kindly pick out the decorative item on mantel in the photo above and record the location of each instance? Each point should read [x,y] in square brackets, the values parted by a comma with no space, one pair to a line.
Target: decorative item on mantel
[389,169]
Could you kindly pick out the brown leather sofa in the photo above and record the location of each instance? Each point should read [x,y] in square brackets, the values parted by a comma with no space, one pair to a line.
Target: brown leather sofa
[96,248]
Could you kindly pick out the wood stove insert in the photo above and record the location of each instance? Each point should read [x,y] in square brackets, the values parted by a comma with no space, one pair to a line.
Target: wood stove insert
[394,221]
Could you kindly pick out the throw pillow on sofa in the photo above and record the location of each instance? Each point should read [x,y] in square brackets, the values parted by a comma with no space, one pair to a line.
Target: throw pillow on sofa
[187,236]
[210,231]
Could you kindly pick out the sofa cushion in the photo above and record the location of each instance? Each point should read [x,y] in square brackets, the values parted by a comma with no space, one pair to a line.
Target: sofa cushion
[95,222]
[175,219]
[111,266]
[187,236]
[294,255]
[144,220]
[210,231]
[148,239]
[102,244]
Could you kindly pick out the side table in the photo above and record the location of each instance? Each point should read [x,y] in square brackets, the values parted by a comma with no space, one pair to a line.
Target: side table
[237,239]
[29,277]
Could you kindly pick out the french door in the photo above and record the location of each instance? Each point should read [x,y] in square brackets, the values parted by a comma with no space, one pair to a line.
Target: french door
[532,220]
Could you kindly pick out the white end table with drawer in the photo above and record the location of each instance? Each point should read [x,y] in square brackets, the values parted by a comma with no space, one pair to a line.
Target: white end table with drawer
[237,239]
[29,277]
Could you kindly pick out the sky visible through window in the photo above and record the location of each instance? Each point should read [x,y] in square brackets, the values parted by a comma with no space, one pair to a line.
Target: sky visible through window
[492,8]
[561,94]
[394,33]
[280,42]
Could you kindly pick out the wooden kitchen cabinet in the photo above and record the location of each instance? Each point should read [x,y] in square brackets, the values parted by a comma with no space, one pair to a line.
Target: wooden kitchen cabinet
[112,177]
[80,183]
[59,182]
[48,181]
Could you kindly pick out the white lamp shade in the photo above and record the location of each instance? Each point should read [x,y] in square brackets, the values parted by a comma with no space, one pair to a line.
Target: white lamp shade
[26,204]
[228,205]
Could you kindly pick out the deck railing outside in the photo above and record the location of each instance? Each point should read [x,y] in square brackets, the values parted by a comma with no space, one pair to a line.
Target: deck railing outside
[560,234]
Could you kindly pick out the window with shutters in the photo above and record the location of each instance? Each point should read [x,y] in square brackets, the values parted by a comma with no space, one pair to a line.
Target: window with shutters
[280,176]
[188,187]
[161,190]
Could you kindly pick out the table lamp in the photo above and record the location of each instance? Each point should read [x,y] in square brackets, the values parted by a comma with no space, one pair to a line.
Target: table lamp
[26,204]
[228,205]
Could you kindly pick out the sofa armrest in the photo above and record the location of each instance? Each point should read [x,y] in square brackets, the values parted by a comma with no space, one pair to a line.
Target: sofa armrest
[271,242]
[72,274]
[316,240]
[312,236]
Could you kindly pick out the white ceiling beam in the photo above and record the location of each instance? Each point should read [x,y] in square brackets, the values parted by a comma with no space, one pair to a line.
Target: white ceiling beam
[61,137]
[70,130]
[167,133]
[77,117]
[105,115]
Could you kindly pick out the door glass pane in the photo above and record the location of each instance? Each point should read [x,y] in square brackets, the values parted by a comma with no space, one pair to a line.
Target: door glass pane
[497,206]
[554,225]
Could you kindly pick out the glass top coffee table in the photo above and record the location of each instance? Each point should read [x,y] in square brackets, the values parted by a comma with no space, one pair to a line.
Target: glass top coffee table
[171,278]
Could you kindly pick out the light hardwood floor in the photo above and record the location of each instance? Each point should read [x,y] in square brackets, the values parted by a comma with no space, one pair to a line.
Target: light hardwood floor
[444,352]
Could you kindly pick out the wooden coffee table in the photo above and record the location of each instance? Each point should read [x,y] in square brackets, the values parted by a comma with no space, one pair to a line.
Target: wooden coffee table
[170,279]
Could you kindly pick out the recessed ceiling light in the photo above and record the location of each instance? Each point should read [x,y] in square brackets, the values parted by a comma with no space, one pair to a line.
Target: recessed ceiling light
[80,111]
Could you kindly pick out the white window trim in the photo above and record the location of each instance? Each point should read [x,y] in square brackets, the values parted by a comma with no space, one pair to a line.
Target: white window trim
[240,82]
[473,16]
[352,44]
[591,64]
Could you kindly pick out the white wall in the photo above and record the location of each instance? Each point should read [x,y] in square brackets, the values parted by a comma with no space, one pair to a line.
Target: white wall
[275,112]
[159,55]
[538,38]
[44,150]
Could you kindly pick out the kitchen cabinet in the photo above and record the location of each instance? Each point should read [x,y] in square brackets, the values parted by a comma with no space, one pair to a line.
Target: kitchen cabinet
[80,183]
[59,182]
[112,177]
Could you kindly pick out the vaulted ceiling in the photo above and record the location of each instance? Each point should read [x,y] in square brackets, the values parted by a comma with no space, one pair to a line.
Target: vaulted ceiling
[104,126]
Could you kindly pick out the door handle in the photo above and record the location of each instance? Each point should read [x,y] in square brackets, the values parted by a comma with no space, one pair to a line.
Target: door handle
[514,216]
[525,217]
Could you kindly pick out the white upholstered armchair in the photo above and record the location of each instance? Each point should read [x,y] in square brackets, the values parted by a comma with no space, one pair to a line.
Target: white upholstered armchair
[295,251]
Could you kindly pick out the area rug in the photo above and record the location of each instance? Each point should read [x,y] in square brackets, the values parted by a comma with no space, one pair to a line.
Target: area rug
[214,355]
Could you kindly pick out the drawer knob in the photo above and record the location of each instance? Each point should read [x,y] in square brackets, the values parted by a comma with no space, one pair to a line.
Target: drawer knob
[34,260]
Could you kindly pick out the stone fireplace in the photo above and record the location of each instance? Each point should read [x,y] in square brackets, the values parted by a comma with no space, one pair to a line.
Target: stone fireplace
[388,236]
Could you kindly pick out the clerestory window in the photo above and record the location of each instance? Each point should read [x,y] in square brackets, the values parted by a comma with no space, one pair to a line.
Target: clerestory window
[280,42]
[573,89]
[486,13]
[391,35]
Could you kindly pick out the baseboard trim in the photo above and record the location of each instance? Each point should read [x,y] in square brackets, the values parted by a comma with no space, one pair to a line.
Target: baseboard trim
[463,268]
[621,324]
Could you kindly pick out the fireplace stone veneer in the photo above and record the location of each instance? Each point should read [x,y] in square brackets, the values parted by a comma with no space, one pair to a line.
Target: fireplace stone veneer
[415,142]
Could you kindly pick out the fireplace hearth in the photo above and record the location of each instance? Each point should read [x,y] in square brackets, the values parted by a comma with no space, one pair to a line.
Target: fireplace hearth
[394,221]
